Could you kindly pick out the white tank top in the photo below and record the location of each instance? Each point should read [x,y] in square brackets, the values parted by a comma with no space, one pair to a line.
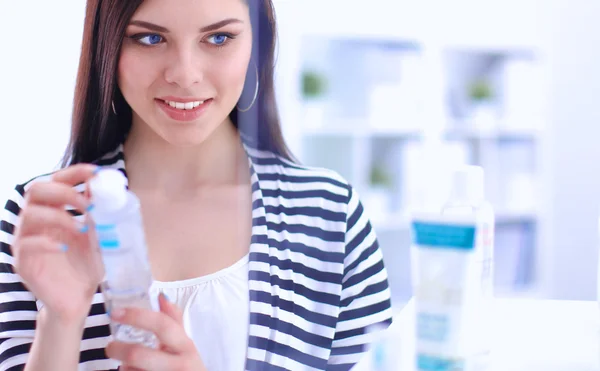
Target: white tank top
[215,313]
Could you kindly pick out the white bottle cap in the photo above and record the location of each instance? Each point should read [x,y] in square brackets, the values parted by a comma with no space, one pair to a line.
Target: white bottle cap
[467,184]
[109,190]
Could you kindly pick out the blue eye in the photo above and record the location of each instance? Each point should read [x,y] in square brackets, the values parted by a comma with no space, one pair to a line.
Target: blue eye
[152,39]
[218,39]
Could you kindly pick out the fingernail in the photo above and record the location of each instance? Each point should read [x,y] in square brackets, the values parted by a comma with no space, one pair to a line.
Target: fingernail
[97,170]
[167,297]
[89,208]
[117,313]
[84,229]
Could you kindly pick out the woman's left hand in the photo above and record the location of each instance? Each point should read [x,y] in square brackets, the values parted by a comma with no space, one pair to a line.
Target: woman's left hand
[176,350]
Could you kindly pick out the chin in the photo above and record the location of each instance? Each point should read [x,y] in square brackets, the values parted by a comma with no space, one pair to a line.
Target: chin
[186,139]
[179,133]
[187,134]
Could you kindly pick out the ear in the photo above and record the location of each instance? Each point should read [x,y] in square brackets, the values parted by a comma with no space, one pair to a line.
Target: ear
[170,309]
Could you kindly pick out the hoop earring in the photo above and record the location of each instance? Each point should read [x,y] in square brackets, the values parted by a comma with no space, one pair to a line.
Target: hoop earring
[255,93]
[112,103]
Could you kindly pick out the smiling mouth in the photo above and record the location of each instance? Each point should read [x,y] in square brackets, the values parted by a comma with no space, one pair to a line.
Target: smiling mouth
[188,111]
[187,106]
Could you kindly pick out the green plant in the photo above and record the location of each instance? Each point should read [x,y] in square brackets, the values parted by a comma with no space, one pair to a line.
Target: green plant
[379,177]
[313,84]
[480,90]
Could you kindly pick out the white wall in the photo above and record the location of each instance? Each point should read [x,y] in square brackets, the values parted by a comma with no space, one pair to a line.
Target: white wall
[575,161]
[38,63]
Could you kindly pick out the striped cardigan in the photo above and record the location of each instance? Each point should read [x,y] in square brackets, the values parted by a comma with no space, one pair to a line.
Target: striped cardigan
[317,279]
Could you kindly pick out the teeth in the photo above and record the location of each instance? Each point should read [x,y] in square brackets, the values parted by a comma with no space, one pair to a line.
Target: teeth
[184,106]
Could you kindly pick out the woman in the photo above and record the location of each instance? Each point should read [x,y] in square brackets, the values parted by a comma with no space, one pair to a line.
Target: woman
[266,264]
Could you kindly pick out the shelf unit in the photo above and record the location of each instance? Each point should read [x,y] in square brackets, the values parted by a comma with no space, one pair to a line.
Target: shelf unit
[395,105]
[451,134]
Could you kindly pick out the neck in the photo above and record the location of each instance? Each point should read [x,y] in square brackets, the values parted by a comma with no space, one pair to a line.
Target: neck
[156,165]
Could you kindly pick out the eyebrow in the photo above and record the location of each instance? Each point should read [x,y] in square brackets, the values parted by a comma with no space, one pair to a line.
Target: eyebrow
[211,27]
[223,23]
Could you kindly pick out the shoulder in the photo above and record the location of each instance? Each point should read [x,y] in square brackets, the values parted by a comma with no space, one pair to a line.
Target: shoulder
[296,180]
[113,158]
[14,199]
[10,211]
[318,204]
[16,195]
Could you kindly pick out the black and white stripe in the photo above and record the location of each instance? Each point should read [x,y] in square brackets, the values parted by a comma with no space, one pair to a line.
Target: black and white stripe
[316,275]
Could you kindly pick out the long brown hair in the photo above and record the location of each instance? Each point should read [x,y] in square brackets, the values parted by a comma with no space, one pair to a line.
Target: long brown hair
[96,130]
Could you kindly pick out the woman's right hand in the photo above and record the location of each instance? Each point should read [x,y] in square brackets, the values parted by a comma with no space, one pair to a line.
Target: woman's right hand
[52,250]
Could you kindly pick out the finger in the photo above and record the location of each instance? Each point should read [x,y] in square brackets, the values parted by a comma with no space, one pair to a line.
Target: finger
[38,244]
[168,331]
[36,218]
[56,195]
[31,246]
[136,356]
[87,193]
[75,174]
[170,309]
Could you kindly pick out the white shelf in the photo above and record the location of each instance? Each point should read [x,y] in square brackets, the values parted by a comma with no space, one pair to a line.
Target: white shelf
[400,221]
[365,132]
[497,134]
[527,292]
[467,134]
[506,50]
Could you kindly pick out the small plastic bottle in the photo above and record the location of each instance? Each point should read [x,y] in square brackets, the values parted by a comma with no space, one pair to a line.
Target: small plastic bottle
[118,227]
[467,197]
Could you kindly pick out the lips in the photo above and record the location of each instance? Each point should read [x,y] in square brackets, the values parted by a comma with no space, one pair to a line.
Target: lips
[183,109]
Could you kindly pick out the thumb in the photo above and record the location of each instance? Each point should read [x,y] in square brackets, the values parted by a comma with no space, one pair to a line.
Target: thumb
[170,309]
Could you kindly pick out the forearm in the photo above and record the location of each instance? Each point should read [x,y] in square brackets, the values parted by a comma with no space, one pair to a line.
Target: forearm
[56,343]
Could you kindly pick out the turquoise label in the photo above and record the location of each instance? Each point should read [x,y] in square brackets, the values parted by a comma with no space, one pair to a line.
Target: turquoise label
[109,244]
[105,227]
[444,235]
[430,363]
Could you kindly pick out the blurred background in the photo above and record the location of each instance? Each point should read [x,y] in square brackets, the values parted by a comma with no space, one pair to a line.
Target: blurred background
[392,94]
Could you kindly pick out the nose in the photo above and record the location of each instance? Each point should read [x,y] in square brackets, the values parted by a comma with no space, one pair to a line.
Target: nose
[184,68]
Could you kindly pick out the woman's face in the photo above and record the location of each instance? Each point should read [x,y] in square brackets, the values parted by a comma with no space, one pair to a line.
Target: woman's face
[183,65]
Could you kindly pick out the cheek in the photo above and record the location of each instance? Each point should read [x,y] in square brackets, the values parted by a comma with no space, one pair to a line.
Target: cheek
[135,76]
[231,76]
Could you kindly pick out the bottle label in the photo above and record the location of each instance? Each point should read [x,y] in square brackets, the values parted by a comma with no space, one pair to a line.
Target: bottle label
[444,236]
[452,286]
[107,235]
